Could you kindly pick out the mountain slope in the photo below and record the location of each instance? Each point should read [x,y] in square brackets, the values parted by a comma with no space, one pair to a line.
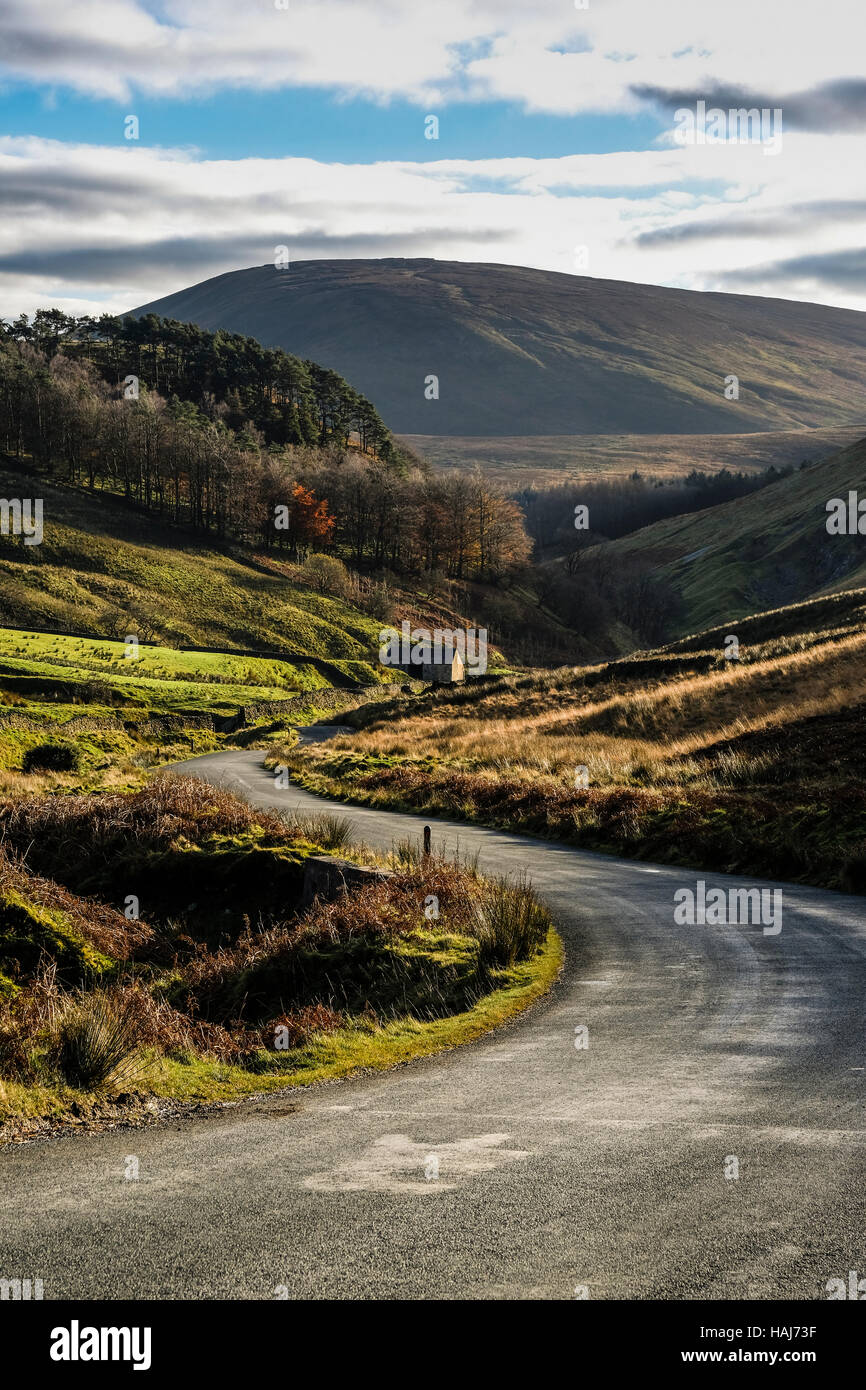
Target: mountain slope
[757,552]
[106,568]
[520,351]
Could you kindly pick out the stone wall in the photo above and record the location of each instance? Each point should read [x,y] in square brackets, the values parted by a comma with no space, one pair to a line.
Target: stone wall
[327,698]
[327,877]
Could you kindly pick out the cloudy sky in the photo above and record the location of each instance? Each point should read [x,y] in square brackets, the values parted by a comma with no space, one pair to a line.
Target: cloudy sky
[304,123]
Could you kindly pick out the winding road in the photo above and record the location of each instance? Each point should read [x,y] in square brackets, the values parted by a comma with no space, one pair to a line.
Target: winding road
[606,1171]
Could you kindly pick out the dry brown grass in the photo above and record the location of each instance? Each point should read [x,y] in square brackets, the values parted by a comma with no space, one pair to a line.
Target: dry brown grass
[368,946]
[31,1025]
[540,732]
[383,910]
[108,930]
[165,808]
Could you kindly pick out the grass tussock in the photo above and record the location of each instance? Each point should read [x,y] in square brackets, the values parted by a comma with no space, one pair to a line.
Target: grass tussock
[330,831]
[510,924]
[96,1041]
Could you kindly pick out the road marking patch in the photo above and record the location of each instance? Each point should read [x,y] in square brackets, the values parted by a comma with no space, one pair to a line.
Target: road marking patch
[396,1163]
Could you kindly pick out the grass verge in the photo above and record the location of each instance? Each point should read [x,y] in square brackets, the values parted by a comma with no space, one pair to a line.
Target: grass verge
[176,958]
[801,838]
[367,1046]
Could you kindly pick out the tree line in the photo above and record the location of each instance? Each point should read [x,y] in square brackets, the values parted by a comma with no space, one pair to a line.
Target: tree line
[182,461]
[456,525]
[227,376]
[619,505]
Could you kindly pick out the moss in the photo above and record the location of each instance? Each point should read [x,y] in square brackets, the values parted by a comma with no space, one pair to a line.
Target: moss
[8,988]
[28,931]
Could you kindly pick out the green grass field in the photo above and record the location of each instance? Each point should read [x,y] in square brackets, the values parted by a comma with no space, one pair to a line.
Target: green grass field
[111,708]
[161,678]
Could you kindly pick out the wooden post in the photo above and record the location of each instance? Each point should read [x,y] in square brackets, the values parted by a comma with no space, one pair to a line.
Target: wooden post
[426,842]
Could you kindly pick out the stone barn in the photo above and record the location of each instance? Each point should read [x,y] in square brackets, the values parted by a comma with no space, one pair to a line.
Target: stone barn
[448,671]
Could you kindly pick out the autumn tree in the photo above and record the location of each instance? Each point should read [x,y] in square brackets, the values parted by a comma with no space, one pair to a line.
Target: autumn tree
[303,522]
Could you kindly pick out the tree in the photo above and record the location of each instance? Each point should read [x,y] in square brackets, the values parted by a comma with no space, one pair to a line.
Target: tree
[304,522]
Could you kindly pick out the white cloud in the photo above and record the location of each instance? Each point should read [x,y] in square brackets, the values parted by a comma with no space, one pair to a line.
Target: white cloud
[105,228]
[428,52]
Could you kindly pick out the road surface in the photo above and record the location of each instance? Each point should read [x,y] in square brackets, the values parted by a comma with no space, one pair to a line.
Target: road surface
[604,1171]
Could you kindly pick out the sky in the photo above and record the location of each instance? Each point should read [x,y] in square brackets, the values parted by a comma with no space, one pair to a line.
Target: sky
[145,147]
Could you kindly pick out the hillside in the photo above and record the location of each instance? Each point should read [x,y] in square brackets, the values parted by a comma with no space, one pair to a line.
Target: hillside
[524,352]
[106,568]
[754,553]
[677,755]
[207,377]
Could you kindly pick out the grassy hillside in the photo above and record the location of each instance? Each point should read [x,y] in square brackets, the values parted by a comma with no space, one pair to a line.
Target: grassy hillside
[106,568]
[523,352]
[755,553]
[161,678]
[682,753]
[85,713]
[797,625]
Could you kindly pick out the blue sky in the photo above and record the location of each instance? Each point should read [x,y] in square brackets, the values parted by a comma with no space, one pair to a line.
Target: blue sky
[321,124]
[301,123]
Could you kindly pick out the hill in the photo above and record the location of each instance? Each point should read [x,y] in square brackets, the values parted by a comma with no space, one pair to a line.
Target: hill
[106,568]
[524,352]
[676,755]
[757,552]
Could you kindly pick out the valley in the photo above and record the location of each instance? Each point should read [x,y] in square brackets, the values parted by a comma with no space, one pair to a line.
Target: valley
[540,460]
[193,694]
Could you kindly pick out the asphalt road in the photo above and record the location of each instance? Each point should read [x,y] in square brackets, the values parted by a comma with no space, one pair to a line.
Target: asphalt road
[559,1168]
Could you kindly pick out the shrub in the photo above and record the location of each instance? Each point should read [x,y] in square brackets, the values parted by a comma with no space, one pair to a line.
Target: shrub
[96,692]
[24,1014]
[322,828]
[298,1026]
[96,1040]
[52,757]
[510,923]
[379,602]
[853,875]
[328,574]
